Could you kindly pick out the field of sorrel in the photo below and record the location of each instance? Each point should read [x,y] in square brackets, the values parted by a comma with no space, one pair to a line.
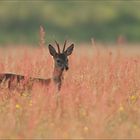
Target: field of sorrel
[100,95]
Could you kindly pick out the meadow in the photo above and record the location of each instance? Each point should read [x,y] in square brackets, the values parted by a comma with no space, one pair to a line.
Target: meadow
[76,20]
[100,95]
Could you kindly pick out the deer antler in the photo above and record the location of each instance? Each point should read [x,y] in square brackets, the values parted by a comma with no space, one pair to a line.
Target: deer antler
[57,46]
[64,45]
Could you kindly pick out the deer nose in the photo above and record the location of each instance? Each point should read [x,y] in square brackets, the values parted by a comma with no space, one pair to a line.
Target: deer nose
[66,67]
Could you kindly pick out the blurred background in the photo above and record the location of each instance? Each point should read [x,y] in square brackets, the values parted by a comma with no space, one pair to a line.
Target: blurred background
[76,20]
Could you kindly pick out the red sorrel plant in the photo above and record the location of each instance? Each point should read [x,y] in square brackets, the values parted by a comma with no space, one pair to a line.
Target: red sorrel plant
[99,97]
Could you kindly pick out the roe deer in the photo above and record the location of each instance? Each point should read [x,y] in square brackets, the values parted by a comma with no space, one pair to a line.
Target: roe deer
[60,64]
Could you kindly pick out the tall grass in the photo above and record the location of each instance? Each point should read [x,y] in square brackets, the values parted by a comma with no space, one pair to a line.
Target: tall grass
[99,97]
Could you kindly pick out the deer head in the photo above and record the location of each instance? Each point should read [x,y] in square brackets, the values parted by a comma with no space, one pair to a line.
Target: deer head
[61,58]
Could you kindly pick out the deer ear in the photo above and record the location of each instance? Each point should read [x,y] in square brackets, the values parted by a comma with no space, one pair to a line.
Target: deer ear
[52,50]
[69,50]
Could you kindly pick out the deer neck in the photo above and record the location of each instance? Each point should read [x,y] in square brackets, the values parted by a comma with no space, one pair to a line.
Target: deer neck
[57,75]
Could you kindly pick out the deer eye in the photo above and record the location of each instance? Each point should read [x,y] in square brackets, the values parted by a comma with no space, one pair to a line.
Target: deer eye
[58,61]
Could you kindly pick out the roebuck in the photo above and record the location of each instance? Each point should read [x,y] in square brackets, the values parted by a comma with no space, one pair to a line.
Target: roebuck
[60,64]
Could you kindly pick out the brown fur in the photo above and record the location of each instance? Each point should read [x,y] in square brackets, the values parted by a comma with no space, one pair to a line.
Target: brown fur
[60,64]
